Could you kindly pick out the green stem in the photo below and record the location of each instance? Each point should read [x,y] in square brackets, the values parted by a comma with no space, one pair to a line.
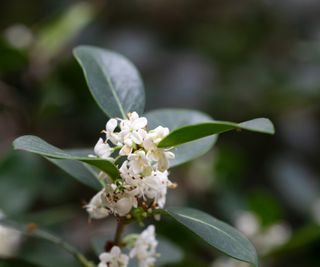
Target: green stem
[117,158]
[116,148]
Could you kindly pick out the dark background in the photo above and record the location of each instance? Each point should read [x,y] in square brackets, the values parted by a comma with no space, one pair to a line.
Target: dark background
[235,60]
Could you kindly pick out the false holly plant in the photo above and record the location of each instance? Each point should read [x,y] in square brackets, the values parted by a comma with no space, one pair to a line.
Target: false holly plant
[129,166]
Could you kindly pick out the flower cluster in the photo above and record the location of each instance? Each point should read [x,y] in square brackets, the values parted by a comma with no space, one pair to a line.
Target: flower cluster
[143,168]
[114,258]
[143,249]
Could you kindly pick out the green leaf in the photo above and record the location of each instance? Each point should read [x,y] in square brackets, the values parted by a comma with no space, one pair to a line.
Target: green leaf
[216,233]
[174,118]
[113,81]
[38,146]
[193,132]
[78,170]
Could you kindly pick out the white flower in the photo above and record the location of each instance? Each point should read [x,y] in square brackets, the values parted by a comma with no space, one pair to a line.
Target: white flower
[145,248]
[102,149]
[132,132]
[107,201]
[125,171]
[139,163]
[124,205]
[157,155]
[111,125]
[114,258]
[130,139]
[132,182]
[144,175]
[130,178]
[134,122]
[154,137]
[155,187]
[96,207]
[160,157]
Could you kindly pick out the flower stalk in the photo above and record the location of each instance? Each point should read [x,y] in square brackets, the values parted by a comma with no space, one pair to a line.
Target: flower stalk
[118,235]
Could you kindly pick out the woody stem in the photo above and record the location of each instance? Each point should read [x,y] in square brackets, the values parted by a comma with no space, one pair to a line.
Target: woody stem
[119,232]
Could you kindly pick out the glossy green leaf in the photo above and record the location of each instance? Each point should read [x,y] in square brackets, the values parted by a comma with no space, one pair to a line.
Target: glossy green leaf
[216,233]
[175,118]
[196,131]
[38,146]
[113,81]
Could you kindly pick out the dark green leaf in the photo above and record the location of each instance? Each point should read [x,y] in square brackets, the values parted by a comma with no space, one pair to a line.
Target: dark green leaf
[113,81]
[174,118]
[38,146]
[193,132]
[216,233]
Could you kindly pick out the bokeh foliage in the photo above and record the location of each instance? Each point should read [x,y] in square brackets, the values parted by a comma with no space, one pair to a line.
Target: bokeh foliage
[232,59]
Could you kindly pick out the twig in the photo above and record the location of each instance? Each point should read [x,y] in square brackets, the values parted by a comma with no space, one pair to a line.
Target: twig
[119,232]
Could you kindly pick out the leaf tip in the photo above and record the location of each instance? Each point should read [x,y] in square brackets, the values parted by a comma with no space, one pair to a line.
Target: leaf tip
[270,129]
[16,143]
[261,125]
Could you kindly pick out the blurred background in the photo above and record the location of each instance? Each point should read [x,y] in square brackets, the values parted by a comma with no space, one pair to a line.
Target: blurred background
[234,60]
